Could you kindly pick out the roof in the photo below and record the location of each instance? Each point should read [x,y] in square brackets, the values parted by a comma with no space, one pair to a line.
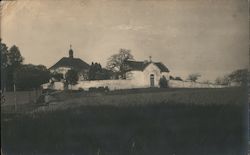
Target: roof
[141,65]
[161,66]
[74,63]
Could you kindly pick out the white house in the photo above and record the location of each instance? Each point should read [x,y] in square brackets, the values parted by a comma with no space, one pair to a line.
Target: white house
[68,63]
[146,73]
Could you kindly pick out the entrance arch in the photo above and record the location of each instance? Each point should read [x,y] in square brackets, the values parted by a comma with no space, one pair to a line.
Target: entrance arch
[152,80]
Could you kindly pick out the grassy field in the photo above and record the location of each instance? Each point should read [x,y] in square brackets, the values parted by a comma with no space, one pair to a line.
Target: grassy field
[165,122]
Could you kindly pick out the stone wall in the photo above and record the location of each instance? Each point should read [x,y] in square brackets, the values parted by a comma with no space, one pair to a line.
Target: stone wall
[128,84]
[186,84]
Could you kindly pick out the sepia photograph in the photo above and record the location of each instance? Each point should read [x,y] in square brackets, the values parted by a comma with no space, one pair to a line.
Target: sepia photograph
[125,77]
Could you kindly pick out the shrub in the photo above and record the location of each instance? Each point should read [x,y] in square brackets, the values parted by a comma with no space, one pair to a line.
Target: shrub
[163,82]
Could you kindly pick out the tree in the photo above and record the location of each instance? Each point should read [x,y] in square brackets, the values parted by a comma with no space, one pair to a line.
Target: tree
[171,77]
[57,76]
[3,56]
[14,61]
[222,80]
[178,78]
[194,77]
[239,76]
[96,72]
[31,76]
[3,60]
[71,77]
[15,58]
[116,62]
[163,82]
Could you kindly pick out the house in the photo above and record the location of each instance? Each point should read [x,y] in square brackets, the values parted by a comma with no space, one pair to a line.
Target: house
[68,63]
[146,73]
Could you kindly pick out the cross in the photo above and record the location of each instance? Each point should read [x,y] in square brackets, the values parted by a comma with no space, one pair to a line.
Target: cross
[150,58]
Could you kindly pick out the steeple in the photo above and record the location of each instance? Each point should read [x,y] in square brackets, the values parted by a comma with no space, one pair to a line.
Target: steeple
[71,52]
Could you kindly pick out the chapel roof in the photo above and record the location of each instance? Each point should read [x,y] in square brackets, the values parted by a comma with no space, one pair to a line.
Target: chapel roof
[141,65]
[74,63]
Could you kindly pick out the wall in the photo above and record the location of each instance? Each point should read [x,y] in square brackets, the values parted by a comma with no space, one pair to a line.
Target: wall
[56,86]
[185,84]
[111,84]
[129,84]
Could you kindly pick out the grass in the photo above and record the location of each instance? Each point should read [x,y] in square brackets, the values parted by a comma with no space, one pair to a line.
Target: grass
[180,122]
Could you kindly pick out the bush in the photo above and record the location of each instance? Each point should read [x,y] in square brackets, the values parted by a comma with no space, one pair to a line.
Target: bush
[99,89]
[163,82]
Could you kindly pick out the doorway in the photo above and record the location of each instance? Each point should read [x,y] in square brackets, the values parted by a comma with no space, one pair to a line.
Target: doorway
[152,80]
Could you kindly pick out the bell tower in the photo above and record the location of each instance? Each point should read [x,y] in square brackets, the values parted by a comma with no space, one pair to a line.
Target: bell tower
[71,52]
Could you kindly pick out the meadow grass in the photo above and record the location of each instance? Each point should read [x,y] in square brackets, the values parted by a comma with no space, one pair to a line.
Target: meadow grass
[178,122]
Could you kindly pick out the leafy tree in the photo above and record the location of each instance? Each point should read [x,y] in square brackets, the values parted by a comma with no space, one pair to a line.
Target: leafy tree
[239,76]
[3,60]
[194,77]
[14,61]
[171,77]
[4,52]
[71,77]
[116,62]
[178,78]
[222,80]
[31,76]
[163,82]
[15,58]
[96,72]
[57,76]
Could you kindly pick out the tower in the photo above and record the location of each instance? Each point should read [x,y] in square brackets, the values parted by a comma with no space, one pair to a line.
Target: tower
[71,52]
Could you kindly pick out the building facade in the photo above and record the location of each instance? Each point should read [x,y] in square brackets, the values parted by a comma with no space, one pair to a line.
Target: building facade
[146,73]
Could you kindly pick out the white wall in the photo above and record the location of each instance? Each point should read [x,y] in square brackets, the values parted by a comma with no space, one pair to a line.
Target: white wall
[111,84]
[56,86]
[128,84]
[185,84]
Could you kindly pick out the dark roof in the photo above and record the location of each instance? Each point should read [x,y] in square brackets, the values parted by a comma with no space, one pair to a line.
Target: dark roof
[141,65]
[136,65]
[74,63]
[161,66]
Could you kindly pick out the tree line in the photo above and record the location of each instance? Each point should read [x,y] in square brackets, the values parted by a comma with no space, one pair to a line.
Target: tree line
[16,74]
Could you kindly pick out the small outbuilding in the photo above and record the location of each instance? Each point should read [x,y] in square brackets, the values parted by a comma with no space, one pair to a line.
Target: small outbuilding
[146,73]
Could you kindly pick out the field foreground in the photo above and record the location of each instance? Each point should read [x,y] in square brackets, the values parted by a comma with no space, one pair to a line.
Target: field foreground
[178,122]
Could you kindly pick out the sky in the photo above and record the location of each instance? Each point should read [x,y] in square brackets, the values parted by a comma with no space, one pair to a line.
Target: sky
[210,37]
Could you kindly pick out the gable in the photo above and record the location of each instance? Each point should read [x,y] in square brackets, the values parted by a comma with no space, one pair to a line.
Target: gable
[152,68]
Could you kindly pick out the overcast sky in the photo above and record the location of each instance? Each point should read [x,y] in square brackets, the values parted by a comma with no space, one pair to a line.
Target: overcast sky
[205,36]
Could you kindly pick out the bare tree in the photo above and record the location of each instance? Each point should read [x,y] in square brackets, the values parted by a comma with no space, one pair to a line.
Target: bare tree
[194,77]
[117,64]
